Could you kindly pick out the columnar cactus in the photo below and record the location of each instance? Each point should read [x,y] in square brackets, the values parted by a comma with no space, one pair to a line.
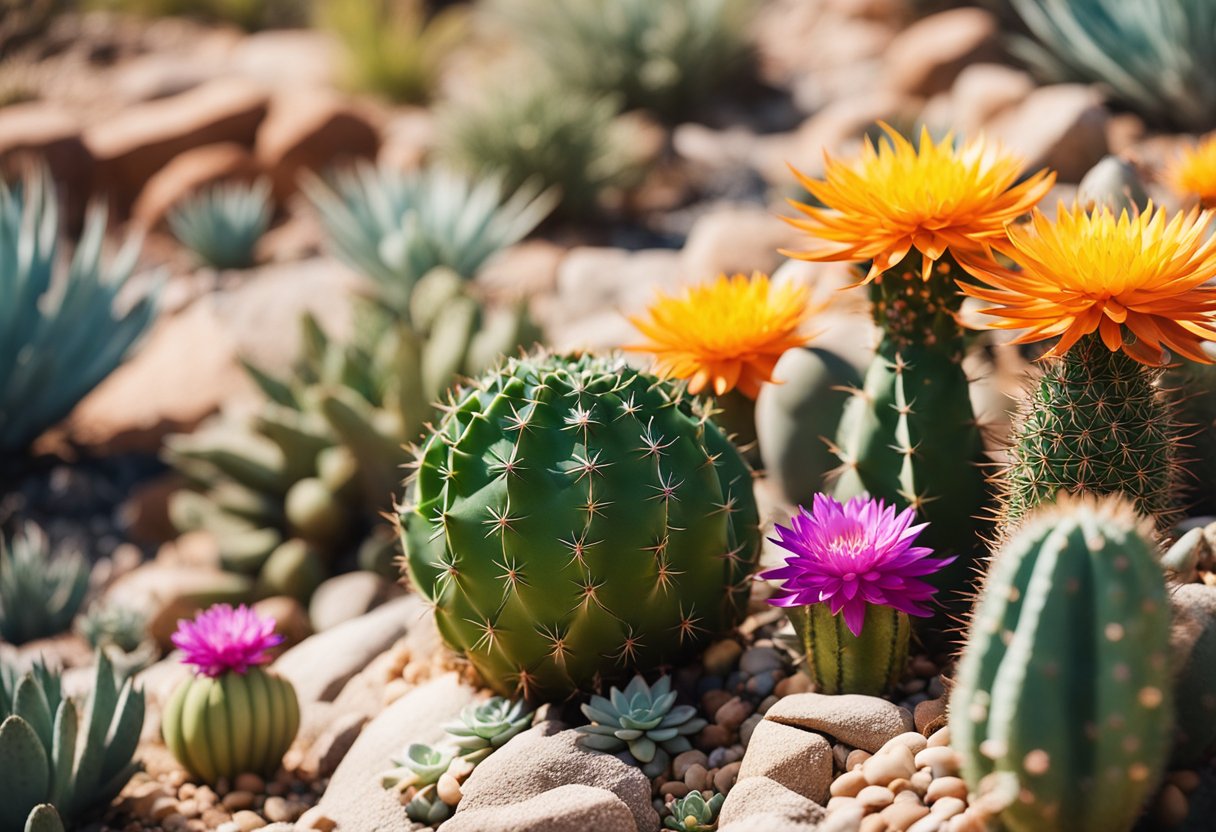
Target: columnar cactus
[232,716]
[1064,687]
[573,518]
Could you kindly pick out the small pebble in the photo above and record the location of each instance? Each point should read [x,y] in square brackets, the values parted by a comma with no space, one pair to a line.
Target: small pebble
[731,715]
[842,803]
[856,757]
[762,685]
[923,667]
[720,657]
[941,759]
[946,787]
[726,777]
[842,819]
[714,699]
[277,810]
[937,688]
[948,807]
[235,801]
[848,784]
[897,762]
[162,807]
[713,736]
[899,816]
[940,737]
[748,727]
[228,826]
[1186,780]
[929,823]
[1171,807]
[174,823]
[696,777]
[688,758]
[907,796]
[902,785]
[448,789]
[930,715]
[798,683]
[314,818]
[840,756]
[247,821]
[769,701]
[874,798]
[873,823]
[757,660]
[674,789]
[722,756]
[968,822]
[914,742]
[922,779]
[189,808]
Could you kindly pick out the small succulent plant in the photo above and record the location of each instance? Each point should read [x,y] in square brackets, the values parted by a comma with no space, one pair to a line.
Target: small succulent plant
[41,590]
[427,807]
[223,224]
[642,720]
[486,726]
[693,813]
[122,633]
[396,227]
[53,749]
[419,765]
[66,326]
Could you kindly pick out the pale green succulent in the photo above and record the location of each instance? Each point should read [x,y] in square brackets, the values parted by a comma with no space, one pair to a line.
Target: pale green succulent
[61,328]
[419,765]
[670,57]
[643,720]
[396,227]
[41,589]
[223,224]
[566,140]
[1157,57]
[427,807]
[694,813]
[486,726]
[75,756]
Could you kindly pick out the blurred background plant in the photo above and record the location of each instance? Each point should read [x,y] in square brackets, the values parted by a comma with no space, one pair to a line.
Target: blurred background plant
[668,57]
[1155,57]
[249,15]
[70,328]
[223,224]
[122,633]
[41,588]
[394,48]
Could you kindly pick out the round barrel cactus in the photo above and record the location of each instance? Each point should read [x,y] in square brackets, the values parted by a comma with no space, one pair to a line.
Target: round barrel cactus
[231,717]
[573,519]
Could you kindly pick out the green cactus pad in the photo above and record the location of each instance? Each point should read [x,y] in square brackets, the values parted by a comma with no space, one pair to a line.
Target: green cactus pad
[573,519]
[1064,687]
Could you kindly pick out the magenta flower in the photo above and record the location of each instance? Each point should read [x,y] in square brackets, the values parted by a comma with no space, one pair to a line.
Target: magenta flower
[221,638]
[851,555]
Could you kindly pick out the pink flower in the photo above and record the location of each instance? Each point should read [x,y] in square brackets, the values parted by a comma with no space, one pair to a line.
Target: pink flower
[221,638]
[851,555]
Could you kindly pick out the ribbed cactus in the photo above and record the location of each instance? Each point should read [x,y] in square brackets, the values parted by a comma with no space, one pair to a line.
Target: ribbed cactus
[1195,657]
[573,519]
[910,435]
[871,663]
[1064,687]
[232,716]
[1095,422]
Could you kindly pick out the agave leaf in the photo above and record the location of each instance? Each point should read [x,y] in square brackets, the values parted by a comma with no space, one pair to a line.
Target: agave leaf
[26,772]
[63,753]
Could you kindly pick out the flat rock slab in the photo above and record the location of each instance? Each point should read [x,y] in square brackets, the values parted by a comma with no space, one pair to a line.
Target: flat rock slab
[864,722]
[546,758]
[798,759]
[321,665]
[571,808]
[354,798]
[761,803]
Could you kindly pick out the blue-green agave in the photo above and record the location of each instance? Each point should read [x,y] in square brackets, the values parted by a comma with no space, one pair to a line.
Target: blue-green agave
[642,720]
[222,224]
[41,589]
[73,755]
[66,327]
[693,813]
[1157,57]
[396,227]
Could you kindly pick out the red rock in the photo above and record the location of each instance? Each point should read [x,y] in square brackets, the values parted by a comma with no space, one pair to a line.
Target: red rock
[926,57]
[37,132]
[311,132]
[188,173]
[141,140]
[1062,127]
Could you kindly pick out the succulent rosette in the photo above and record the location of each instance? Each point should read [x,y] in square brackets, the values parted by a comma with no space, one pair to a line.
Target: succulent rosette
[231,716]
[853,577]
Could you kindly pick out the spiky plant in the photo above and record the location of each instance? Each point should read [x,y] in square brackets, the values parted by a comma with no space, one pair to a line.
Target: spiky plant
[67,327]
[486,726]
[541,132]
[693,813]
[223,224]
[1157,57]
[120,631]
[394,48]
[396,227]
[572,519]
[75,755]
[670,57]
[41,588]
[1063,693]
[643,721]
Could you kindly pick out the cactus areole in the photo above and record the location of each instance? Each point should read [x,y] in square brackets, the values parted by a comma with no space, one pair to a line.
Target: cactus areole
[573,519]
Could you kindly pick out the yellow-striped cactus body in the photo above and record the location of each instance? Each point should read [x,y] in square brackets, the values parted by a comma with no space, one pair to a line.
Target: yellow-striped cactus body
[231,724]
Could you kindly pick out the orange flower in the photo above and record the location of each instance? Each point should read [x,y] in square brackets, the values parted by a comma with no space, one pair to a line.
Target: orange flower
[1193,174]
[725,333]
[896,197]
[1091,272]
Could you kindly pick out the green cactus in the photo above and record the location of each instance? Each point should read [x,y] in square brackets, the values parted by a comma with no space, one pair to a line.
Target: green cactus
[693,813]
[909,435]
[1195,687]
[1063,692]
[73,755]
[1095,422]
[223,224]
[797,416]
[1192,389]
[572,518]
[76,336]
[840,662]
[642,720]
[41,590]
[487,726]
[231,724]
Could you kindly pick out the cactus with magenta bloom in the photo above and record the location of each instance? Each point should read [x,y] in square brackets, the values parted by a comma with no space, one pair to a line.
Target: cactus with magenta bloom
[852,579]
[231,716]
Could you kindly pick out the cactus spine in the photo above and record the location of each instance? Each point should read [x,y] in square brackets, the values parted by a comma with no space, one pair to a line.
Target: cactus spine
[1064,686]
[910,436]
[840,662]
[231,724]
[1095,422]
[573,518]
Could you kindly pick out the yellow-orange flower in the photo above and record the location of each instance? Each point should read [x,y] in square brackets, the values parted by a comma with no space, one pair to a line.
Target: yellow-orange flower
[725,333]
[896,197]
[1090,272]
[1193,174]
